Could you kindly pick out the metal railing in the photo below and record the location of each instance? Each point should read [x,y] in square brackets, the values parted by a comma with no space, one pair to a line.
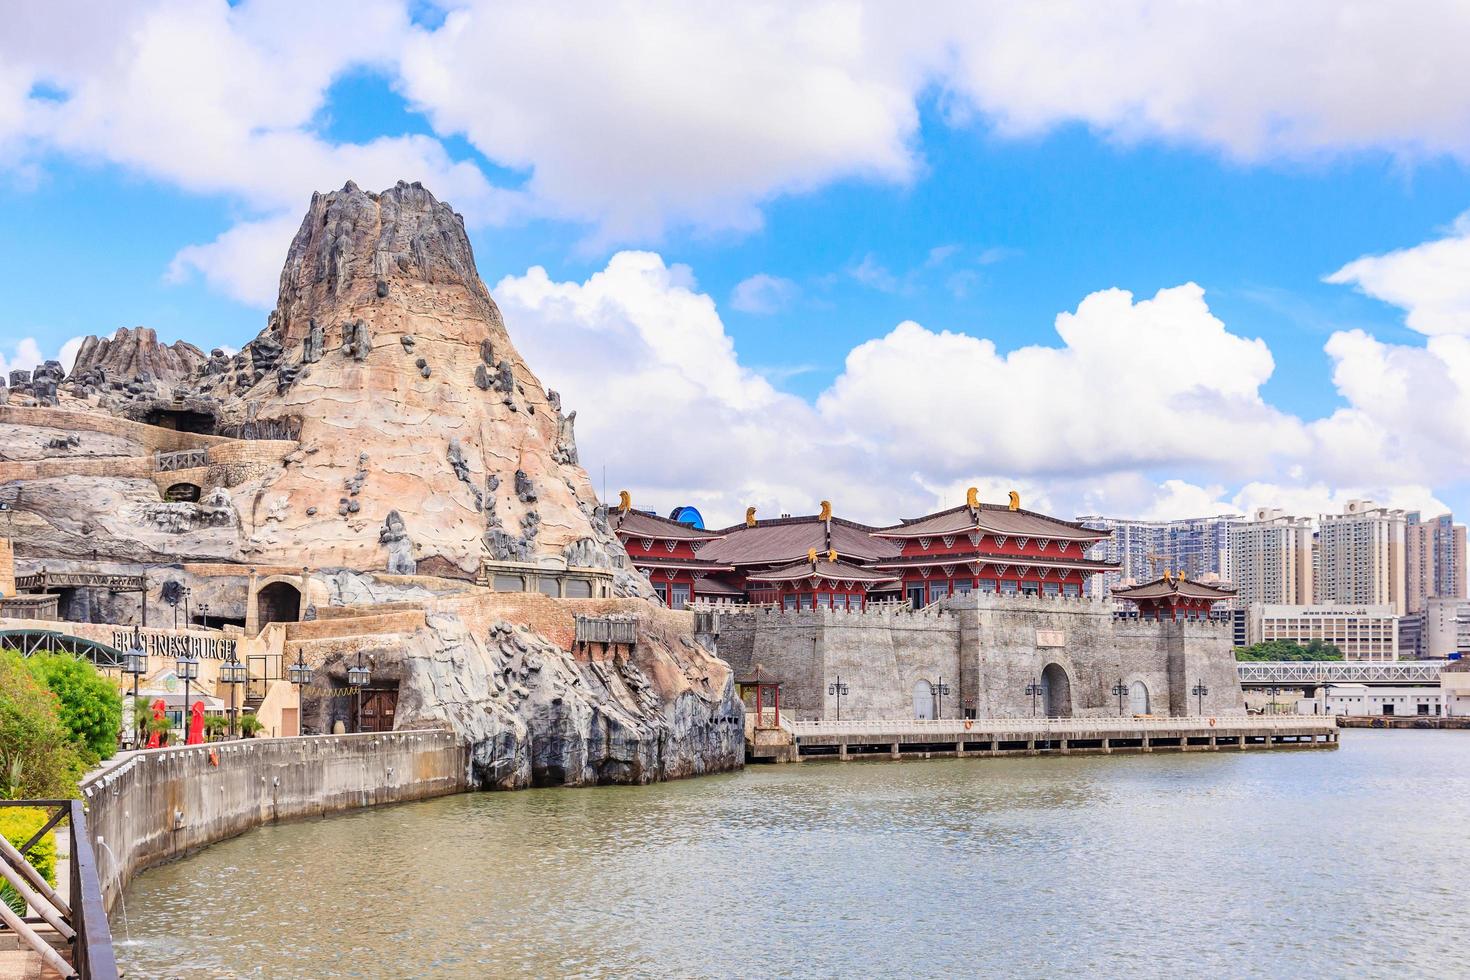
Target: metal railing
[186,459]
[1070,726]
[80,918]
[606,629]
[1340,672]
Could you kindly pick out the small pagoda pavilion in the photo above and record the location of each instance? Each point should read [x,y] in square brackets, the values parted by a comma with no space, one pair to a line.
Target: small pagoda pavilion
[1174,597]
[991,548]
[828,582]
[668,553]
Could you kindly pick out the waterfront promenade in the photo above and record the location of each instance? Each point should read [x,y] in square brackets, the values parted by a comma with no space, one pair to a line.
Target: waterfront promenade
[935,738]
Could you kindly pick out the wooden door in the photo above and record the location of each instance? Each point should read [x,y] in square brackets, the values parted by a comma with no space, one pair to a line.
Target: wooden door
[378,708]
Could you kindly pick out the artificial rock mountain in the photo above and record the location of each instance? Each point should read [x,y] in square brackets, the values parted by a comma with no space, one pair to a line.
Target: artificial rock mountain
[383,432]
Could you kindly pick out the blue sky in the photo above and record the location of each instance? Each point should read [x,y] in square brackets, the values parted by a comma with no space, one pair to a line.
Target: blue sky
[929,189]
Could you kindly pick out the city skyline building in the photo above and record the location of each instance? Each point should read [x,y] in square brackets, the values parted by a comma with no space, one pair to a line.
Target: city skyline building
[1434,560]
[1362,557]
[1144,549]
[1271,559]
[1361,632]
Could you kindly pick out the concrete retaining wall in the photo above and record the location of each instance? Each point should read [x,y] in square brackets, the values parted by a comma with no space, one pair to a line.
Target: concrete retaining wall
[151,807]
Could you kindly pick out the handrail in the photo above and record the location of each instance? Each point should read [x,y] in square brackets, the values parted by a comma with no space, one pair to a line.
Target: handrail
[81,921]
[977,727]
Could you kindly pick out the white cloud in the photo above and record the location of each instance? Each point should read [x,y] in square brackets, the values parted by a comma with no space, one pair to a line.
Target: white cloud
[244,262]
[25,355]
[1431,281]
[763,294]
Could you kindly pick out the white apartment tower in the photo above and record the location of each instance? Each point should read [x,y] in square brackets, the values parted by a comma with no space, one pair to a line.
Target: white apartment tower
[1362,557]
[1271,559]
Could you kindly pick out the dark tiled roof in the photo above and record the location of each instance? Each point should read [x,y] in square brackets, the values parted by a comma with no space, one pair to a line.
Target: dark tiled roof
[993,519]
[638,524]
[714,586]
[839,571]
[1163,588]
[1035,561]
[788,539]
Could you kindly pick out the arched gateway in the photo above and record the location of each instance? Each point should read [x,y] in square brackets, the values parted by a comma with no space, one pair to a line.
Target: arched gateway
[1056,692]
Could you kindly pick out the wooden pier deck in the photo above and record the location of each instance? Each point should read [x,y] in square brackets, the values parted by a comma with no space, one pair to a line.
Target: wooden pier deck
[924,739]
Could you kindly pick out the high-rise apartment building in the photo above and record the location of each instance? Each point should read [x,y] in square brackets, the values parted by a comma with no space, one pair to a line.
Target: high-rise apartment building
[1434,560]
[1271,559]
[1362,556]
[1197,546]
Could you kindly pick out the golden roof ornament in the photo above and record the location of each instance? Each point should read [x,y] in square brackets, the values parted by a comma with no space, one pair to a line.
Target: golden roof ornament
[972,498]
[826,514]
[811,556]
[1169,576]
[625,501]
[750,517]
[832,555]
[1015,500]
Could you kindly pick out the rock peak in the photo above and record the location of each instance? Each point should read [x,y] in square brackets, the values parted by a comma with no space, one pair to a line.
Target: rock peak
[353,245]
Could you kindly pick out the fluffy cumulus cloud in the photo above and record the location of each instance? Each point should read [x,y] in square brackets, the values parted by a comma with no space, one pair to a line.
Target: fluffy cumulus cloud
[1431,282]
[26,355]
[1140,407]
[628,119]
[763,294]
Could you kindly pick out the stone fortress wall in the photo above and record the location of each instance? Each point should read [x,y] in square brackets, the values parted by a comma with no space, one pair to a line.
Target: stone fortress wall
[987,649]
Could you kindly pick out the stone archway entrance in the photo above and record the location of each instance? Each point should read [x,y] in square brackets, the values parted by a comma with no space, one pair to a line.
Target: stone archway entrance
[1056,692]
[923,700]
[1138,698]
[278,602]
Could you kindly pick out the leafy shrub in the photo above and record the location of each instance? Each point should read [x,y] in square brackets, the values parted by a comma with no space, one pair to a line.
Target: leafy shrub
[250,726]
[91,706]
[39,756]
[17,825]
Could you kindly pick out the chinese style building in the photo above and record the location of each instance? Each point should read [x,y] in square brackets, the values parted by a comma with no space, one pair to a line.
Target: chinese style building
[767,557]
[667,552]
[990,548]
[1174,597]
[814,583]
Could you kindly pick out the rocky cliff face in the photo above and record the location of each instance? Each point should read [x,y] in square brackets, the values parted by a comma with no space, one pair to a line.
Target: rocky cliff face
[132,356]
[425,440]
[536,716]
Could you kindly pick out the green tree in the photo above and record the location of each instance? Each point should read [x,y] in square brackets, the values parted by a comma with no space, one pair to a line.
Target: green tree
[91,706]
[1288,650]
[39,756]
[19,824]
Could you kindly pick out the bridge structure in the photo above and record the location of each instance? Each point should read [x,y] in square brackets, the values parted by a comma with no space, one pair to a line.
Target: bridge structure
[44,581]
[990,737]
[30,642]
[1317,673]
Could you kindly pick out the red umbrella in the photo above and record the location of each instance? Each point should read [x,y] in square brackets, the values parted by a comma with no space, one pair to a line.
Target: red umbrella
[196,724]
[160,711]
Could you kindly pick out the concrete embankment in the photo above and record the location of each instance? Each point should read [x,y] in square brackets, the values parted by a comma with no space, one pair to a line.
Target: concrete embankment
[152,806]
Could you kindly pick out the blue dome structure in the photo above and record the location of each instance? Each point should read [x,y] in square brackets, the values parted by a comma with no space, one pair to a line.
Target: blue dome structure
[687,515]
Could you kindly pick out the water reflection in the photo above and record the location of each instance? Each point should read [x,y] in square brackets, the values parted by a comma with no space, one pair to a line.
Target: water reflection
[1252,864]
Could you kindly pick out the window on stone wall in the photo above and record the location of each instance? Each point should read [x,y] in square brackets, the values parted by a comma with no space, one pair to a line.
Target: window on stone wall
[962,586]
[788,602]
[987,585]
[1071,588]
[663,592]
[509,583]
[1008,587]
[1051,588]
[938,590]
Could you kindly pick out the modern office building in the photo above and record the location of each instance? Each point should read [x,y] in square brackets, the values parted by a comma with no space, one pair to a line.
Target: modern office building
[1270,559]
[1361,632]
[1361,558]
[1434,560]
[1197,546]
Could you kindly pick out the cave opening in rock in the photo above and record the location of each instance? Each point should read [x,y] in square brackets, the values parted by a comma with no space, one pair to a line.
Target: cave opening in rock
[279,602]
[183,420]
[185,493]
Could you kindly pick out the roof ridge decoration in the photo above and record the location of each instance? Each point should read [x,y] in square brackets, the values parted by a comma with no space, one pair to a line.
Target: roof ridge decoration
[1015,503]
[750,517]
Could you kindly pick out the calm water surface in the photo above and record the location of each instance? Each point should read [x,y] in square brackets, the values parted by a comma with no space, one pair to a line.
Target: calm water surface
[1350,862]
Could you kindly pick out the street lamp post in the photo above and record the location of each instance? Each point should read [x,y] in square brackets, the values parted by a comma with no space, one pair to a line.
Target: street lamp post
[187,592]
[1199,690]
[838,690]
[204,614]
[233,673]
[1120,689]
[1273,691]
[187,666]
[357,678]
[940,690]
[1033,691]
[300,675]
[135,662]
